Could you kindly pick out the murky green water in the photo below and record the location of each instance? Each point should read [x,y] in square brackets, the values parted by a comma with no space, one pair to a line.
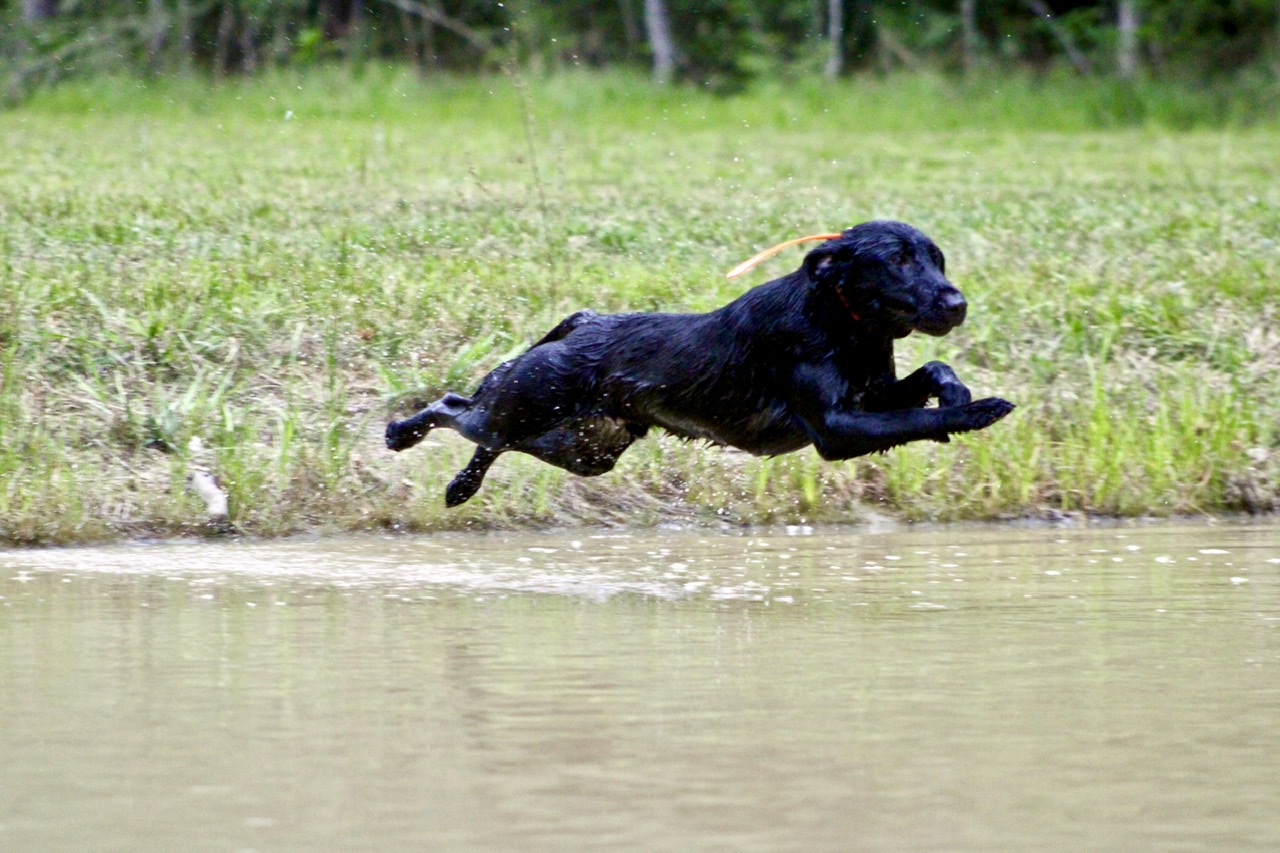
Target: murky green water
[914,689]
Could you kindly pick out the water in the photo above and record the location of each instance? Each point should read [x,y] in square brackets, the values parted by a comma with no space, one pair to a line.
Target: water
[971,688]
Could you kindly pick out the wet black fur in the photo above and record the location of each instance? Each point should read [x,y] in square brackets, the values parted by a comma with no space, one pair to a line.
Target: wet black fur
[804,359]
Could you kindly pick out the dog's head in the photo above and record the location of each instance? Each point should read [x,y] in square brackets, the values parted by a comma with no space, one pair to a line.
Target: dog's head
[889,276]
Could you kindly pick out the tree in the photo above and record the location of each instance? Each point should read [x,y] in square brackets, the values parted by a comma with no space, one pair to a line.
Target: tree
[658,25]
[835,39]
[1127,39]
[38,10]
[971,41]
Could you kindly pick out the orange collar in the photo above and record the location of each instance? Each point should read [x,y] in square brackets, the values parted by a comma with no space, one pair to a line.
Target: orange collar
[857,318]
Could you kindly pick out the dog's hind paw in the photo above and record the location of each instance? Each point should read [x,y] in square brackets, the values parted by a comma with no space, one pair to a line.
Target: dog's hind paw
[462,488]
[401,435]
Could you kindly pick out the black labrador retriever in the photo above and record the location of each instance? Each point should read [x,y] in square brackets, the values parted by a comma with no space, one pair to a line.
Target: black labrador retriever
[805,359]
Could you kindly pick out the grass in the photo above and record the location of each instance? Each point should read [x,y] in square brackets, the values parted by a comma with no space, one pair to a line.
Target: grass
[250,278]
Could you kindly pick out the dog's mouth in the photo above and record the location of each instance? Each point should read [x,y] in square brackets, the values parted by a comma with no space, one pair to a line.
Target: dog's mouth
[773,250]
[901,317]
[947,311]
[935,326]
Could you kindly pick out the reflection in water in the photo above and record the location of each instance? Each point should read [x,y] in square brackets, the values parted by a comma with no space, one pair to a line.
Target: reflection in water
[954,688]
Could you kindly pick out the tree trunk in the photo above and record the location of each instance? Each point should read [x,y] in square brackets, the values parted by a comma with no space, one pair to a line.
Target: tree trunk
[159,25]
[186,38]
[1275,46]
[222,42]
[249,53]
[971,43]
[1127,39]
[658,26]
[34,11]
[630,29]
[835,39]
[1074,56]
[357,38]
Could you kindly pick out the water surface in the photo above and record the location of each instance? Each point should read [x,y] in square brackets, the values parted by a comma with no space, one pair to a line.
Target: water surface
[955,688]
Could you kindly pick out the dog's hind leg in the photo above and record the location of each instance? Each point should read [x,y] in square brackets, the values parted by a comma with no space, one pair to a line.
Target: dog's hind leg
[586,447]
[514,400]
[467,481]
[404,434]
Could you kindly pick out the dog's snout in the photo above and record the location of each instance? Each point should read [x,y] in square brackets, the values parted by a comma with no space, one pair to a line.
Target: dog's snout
[953,304]
[943,312]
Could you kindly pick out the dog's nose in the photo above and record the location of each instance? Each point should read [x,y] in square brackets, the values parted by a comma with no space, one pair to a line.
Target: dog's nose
[953,305]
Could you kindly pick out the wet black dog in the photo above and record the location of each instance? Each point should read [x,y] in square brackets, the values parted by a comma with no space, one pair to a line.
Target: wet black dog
[804,359]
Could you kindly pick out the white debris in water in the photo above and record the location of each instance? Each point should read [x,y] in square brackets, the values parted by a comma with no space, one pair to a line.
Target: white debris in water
[1213,551]
[1239,580]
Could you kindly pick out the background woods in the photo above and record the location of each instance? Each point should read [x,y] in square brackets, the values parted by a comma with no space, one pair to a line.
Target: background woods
[720,44]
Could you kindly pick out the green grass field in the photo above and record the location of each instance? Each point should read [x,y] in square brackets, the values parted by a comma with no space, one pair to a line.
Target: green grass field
[250,279]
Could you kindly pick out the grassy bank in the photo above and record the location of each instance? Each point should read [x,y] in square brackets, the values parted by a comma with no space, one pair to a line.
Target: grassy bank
[250,279]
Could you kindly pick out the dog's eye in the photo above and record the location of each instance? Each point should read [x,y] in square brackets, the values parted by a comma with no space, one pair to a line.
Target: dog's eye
[902,258]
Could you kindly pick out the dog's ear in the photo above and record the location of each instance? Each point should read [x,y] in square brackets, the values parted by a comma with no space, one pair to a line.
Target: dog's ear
[824,266]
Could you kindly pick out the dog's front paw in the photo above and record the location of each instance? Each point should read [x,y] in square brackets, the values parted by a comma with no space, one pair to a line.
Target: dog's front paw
[981,414]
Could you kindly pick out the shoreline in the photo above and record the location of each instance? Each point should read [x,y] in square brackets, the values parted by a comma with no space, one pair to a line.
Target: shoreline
[880,525]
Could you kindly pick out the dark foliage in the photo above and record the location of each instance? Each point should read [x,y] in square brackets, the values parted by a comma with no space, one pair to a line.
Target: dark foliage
[720,44]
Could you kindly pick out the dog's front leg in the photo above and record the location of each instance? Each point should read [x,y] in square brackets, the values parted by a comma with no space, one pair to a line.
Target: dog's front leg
[845,434]
[933,381]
